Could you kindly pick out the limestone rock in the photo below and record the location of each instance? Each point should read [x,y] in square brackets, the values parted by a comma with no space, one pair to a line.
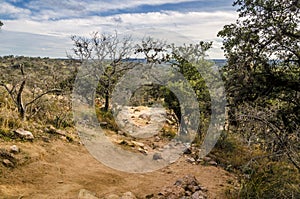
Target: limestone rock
[112,196]
[157,156]
[24,134]
[14,149]
[138,144]
[128,195]
[207,159]
[85,194]
[52,130]
[187,187]
[157,139]
[213,163]
[191,160]
[8,163]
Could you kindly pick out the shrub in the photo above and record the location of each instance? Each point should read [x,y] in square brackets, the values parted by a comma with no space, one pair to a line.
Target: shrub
[272,180]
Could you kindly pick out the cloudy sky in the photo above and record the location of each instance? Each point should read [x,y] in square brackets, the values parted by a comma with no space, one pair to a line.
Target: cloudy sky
[43,28]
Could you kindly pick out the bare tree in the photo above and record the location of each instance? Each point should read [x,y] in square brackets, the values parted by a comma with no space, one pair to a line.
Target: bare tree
[107,52]
[154,50]
[16,88]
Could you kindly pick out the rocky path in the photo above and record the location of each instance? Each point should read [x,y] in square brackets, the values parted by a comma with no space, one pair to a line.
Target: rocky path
[54,168]
[60,170]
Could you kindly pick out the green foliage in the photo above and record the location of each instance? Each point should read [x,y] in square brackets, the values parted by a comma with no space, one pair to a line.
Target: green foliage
[263,81]
[263,74]
[107,117]
[230,152]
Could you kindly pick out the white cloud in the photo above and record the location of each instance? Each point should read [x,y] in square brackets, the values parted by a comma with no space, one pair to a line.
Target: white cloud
[194,26]
[13,11]
[55,9]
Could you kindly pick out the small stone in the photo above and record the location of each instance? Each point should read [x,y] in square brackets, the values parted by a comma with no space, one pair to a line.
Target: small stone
[212,163]
[14,149]
[138,144]
[188,193]
[128,195]
[45,139]
[50,129]
[199,195]
[143,151]
[85,194]
[157,156]
[122,133]
[60,132]
[203,188]
[149,196]
[24,134]
[178,182]
[187,151]
[191,188]
[156,139]
[207,159]
[191,160]
[8,163]
[103,123]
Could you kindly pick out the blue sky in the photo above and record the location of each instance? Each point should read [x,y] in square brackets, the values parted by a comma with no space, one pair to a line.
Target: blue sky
[43,28]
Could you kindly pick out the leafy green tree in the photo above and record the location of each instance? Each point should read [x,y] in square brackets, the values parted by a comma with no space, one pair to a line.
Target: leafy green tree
[262,75]
[186,60]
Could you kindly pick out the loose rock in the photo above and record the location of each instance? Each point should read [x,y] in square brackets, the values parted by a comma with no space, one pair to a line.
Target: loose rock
[8,163]
[14,149]
[191,160]
[85,194]
[213,163]
[207,159]
[128,195]
[112,196]
[157,156]
[187,187]
[24,134]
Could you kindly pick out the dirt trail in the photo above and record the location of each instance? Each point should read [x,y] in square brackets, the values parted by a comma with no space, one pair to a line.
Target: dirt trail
[59,170]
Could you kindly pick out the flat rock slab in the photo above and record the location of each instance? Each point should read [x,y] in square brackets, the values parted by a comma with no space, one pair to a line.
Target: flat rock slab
[24,134]
[141,122]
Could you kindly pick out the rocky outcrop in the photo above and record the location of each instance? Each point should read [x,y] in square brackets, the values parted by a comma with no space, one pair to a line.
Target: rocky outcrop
[188,187]
[7,158]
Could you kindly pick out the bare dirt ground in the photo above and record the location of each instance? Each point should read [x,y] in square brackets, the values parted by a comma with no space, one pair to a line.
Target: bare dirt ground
[60,169]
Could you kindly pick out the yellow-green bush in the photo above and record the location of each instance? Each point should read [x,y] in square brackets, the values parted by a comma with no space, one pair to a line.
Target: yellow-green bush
[272,180]
[107,116]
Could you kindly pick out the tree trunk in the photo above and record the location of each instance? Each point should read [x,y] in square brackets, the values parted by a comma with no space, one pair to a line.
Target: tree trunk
[20,105]
[106,101]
